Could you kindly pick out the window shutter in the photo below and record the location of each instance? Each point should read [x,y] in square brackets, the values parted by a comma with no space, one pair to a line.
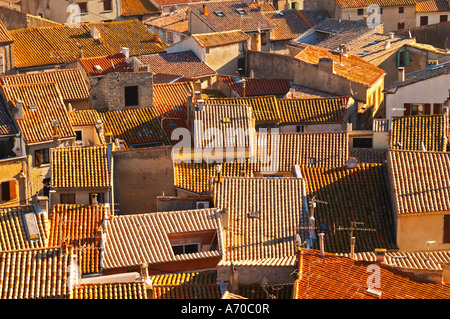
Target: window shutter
[446,229]
[407,109]
[427,107]
[5,191]
[437,108]
[398,59]
[38,160]
[12,189]
[406,58]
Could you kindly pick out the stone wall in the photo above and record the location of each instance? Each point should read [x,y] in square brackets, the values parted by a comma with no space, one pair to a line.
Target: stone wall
[437,35]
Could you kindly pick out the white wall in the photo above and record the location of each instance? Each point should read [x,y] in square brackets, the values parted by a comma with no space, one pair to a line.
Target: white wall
[434,90]
[188,44]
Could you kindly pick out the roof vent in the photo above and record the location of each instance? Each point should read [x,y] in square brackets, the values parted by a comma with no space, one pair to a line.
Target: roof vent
[253,214]
[373,292]
[32,107]
[97,68]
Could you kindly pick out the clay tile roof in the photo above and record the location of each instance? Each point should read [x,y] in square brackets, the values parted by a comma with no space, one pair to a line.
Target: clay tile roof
[7,125]
[353,194]
[147,237]
[223,117]
[58,44]
[231,20]
[432,5]
[257,87]
[420,181]
[35,273]
[83,117]
[36,125]
[319,110]
[230,295]
[409,132]
[270,291]
[69,81]
[13,229]
[276,201]
[132,126]
[381,3]
[289,24]
[80,166]
[337,277]
[170,101]
[216,39]
[176,21]
[78,225]
[115,290]
[264,107]
[186,285]
[353,67]
[4,36]
[138,7]
[107,64]
[185,64]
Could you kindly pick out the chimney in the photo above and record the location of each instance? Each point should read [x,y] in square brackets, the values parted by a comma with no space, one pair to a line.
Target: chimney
[18,110]
[326,64]
[352,247]
[205,10]
[95,33]
[380,255]
[69,108]
[144,271]
[391,35]
[401,74]
[252,74]
[55,132]
[219,173]
[387,44]
[156,38]
[321,245]
[233,286]
[126,52]
[94,200]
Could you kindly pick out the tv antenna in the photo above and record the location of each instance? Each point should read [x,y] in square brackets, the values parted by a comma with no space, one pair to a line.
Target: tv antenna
[353,227]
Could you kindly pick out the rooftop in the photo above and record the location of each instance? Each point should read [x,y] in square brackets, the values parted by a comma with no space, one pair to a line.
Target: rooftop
[257,87]
[215,39]
[432,6]
[381,3]
[137,8]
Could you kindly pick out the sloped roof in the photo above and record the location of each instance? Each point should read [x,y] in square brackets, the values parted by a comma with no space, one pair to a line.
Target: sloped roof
[4,36]
[186,285]
[357,194]
[175,21]
[83,117]
[257,87]
[350,67]
[231,20]
[185,64]
[145,237]
[13,233]
[432,5]
[7,125]
[58,44]
[409,132]
[77,225]
[69,81]
[420,181]
[107,64]
[278,201]
[337,277]
[36,125]
[381,3]
[289,24]
[35,273]
[216,39]
[81,167]
[114,290]
[137,7]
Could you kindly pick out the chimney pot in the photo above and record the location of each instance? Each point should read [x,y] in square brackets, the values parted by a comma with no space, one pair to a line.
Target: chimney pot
[322,248]
[94,200]
[205,10]
[401,74]
[126,52]
[352,247]
[380,255]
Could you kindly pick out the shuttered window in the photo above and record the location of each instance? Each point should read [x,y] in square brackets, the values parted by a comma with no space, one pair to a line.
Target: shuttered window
[9,190]
[446,229]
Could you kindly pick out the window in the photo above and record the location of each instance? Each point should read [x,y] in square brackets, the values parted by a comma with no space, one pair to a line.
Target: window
[362,143]
[67,198]
[241,47]
[219,13]
[41,156]
[46,187]
[9,190]
[79,135]
[300,128]
[437,108]
[294,5]
[360,12]
[402,59]
[312,160]
[424,20]
[185,249]
[83,7]
[2,64]
[263,38]
[240,11]
[417,109]
[381,10]
[443,18]
[401,25]
[131,96]
[107,5]
[401,9]
[446,239]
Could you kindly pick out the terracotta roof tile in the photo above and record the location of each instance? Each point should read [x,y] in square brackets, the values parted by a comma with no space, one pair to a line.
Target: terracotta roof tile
[352,67]
[257,87]
[176,21]
[107,64]
[289,24]
[132,239]
[381,3]
[272,291]
[189,285]
[57,44]
[4,36]
[13,230]
[80,167]
[216,39]
[357,194]
[77,225]
[35,273]
[7,125]
[69,81]
[277,201]
[115,290]
[36,125]
[432,5]
[338,277]
[83,117]
[138,7]
[420,181]
[409,132]
[185,64]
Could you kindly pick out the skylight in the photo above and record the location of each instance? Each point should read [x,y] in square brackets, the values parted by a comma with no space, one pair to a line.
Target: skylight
[219,13]
[240,11]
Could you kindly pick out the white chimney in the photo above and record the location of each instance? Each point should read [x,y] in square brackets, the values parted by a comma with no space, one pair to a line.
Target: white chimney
[19,110]
[126,52]
[380,254]
[321,245]
[95,33]
[391,35]
[401,74]
[387,44]
[352,247]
